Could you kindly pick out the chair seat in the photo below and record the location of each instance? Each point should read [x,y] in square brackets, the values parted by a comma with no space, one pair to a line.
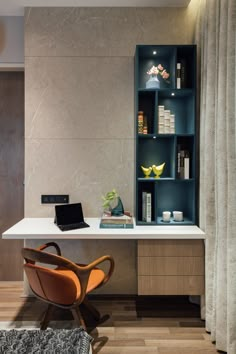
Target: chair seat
[96,277]
[46,283]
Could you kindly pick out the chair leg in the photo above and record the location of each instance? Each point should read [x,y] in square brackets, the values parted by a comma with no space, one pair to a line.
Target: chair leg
[92,309]
[46,317]
[78,317]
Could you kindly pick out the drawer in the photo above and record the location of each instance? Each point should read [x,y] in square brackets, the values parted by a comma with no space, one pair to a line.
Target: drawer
[170,266]
[170,285]
[171,248]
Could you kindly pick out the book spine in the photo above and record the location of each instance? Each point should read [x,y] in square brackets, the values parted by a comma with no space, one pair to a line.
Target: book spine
[183,164]
[161,119]
[178,76]
[140,122]
[182,154]
[178,161]
[145,125]
[183,73]
[186,165]
[116,226]
[149,207]
[166,121]
[144,196]
[172,124]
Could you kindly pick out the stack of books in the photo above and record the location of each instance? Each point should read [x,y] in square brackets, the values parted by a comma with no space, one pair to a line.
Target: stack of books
[172,124]
[145,127]
[116,222]
[161,129]
[146,206]
[166,121]
[140,122]
[183,163]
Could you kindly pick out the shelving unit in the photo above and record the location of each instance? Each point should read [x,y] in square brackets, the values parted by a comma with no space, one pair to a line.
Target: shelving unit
[169,192]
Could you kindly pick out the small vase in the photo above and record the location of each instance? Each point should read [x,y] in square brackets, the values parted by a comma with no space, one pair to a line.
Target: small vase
[153,82]
[119,209]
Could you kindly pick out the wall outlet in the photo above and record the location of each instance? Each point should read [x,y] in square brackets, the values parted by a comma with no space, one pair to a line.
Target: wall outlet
[54,199]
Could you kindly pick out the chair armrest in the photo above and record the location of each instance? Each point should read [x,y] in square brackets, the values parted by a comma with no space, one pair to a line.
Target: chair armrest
[50,244]
[93,265]
[83,272]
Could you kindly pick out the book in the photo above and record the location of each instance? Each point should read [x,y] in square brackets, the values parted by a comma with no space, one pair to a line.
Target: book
[183,81]
[124,221]
[182,154]
[140,122]
[166,121]
[186,165]
[144,215]
[161,119]
[183,164]
[146,206]
[178,160]
[116,226]
[145,125]
[178,76]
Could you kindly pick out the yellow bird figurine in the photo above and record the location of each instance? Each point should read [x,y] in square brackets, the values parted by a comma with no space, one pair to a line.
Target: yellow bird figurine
[146,171]
[158,169]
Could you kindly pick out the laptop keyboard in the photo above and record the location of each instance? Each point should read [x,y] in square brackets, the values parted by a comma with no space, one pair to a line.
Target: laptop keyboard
[78,225]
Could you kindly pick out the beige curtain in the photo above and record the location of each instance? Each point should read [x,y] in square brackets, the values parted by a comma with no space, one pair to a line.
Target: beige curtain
[216,45]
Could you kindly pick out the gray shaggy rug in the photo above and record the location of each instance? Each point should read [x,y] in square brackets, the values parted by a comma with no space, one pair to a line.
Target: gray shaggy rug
[50,341]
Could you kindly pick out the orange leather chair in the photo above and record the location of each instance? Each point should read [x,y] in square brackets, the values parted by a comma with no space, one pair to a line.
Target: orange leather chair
[65,286]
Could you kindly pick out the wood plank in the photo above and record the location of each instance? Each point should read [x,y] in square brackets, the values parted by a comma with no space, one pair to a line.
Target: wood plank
[171,248]
[170,285]
[180,343]
[170,266]
[187,350]
[132,335]
[127,350]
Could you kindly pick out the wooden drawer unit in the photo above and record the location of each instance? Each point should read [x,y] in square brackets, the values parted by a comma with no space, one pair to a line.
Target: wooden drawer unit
[170,267]
[170,248]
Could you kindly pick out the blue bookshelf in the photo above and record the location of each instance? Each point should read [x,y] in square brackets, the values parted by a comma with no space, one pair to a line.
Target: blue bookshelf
[173,190]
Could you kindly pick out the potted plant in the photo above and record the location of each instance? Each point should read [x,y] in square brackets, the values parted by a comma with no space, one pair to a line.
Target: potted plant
[108,203]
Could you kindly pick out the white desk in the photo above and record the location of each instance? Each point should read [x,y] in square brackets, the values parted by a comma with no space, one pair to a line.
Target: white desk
[166,260]
[44,228]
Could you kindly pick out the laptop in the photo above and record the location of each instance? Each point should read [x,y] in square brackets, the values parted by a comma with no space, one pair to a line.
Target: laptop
[69,217]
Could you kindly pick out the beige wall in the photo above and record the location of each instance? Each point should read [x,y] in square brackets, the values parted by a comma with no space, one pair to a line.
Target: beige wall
[79,124]
[11,41]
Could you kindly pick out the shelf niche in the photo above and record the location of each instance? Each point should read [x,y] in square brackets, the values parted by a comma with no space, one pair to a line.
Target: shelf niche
[169,192]
[155,152]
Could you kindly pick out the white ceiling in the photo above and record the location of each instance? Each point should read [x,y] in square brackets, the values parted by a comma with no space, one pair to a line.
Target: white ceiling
[16,7]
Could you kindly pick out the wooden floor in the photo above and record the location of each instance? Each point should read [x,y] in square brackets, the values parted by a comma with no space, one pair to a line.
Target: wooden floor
[121,331]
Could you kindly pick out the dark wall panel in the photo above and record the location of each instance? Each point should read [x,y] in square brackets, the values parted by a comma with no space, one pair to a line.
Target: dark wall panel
[11,170]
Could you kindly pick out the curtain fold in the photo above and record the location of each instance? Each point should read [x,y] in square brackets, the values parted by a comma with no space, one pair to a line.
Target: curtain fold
[216,43]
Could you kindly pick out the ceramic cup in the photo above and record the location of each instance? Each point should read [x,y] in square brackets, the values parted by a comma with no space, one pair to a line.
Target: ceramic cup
[166,216]
[178,215]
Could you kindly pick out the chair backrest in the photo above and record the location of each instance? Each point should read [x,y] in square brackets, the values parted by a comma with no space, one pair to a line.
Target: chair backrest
[59,286]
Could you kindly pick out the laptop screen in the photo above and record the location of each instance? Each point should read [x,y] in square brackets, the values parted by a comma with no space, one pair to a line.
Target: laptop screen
[69,214]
